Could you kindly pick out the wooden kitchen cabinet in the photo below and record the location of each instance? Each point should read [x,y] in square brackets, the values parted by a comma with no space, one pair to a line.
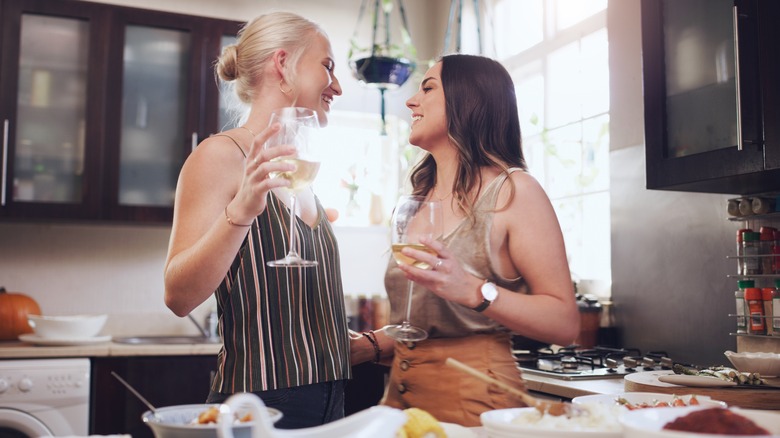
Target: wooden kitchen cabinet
[101,104]
[162,380]
[712,119]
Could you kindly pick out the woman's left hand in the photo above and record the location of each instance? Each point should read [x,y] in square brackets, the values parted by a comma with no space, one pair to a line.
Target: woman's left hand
[446,277]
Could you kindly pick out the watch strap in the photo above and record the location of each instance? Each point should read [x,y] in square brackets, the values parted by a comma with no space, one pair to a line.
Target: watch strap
[484,305]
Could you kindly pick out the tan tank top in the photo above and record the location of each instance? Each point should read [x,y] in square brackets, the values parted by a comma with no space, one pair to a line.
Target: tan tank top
[470,242]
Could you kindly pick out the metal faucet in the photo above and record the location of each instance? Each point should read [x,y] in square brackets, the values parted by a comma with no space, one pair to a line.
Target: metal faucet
[202,330]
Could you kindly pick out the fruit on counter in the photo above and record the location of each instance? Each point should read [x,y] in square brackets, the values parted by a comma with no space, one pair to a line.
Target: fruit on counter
[14,308]
[721,372]
[420,424]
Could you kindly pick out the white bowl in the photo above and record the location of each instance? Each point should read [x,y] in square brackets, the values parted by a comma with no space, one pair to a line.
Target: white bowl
[501,423]
[67,327]
[649,423]
[650,398]
[765,364]
[181,422]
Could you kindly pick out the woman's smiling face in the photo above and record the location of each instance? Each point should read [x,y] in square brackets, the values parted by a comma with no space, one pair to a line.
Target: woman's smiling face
[317,80]
[429,114]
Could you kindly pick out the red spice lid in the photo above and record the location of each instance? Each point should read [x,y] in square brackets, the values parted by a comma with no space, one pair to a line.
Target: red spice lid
[767,293]
[753,293]
[740,231]
[768,233]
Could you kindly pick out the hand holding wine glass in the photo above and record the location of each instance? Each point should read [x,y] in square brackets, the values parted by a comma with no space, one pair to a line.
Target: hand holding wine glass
[414,217]
[297,126]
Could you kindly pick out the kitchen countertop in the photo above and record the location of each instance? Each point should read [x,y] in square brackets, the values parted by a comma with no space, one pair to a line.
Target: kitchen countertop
[24,350]
[566,389]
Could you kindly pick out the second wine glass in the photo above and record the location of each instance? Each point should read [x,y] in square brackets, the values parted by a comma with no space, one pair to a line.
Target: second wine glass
[297,126]
[414,218]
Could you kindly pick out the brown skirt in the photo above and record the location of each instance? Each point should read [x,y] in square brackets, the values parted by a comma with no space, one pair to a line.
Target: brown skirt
[419,378]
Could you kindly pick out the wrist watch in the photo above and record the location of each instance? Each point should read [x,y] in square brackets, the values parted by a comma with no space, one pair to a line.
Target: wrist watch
[489,294]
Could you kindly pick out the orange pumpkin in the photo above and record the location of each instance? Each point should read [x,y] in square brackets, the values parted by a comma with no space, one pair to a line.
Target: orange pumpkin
[14,308]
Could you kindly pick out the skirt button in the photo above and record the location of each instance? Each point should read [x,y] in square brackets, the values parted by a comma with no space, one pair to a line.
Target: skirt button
[401,388]
[404,365]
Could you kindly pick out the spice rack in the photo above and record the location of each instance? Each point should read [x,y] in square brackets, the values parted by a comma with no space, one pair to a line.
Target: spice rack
[752,341]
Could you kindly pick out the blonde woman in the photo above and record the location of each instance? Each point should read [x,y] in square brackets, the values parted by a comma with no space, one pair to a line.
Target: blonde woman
[284,330]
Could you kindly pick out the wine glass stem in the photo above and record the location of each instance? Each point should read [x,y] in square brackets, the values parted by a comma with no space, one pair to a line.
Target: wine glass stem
[292,250]
[408,305]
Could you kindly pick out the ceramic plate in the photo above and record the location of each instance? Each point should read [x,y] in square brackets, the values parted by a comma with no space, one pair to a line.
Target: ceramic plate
[638,398]
[39,340]
[457,431]
[697,381]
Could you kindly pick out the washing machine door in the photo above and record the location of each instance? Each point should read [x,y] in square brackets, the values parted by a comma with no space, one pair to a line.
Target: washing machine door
[15,423]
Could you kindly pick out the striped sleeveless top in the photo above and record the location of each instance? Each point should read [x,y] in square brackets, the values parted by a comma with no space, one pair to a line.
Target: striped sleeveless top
[282,327]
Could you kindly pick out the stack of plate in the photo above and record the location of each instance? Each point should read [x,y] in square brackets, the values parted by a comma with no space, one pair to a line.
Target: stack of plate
[66,330]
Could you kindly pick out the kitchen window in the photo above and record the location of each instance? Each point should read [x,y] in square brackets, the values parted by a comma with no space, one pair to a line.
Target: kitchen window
[557,54]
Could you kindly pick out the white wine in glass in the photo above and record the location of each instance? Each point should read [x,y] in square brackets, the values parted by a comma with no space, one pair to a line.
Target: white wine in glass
[414,217]
[297,126]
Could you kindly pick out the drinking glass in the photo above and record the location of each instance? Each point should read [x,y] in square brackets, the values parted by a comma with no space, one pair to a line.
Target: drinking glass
[414,217]
[297,126]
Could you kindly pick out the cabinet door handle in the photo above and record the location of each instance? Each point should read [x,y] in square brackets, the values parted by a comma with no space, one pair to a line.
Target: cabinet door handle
[735,19]
[4,182]
[194,140]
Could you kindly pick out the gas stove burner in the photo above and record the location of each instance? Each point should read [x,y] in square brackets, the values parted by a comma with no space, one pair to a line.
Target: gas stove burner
[573,362]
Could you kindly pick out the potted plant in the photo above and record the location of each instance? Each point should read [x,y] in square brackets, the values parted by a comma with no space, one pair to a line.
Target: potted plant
[381,63]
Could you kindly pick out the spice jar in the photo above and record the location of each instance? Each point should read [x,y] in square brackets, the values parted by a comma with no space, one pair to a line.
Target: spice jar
[741,304]
[765,244]
[776,309]
[741,250]
[768,295]
[776,253]
[745,207]
[755,304]
[750,259]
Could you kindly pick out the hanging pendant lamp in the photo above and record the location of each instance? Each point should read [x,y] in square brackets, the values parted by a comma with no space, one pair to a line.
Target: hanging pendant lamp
[455,25]
[384,59]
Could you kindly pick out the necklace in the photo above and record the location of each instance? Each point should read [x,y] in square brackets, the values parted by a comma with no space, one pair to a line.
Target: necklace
[250,131]
[439,199]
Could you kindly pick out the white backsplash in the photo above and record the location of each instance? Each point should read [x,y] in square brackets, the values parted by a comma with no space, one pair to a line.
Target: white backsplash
[118,270]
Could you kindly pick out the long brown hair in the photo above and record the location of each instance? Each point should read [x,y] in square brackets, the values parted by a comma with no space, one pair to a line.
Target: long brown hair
[482,123]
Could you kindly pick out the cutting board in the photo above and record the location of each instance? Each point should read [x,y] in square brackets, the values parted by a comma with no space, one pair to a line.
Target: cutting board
[749,397]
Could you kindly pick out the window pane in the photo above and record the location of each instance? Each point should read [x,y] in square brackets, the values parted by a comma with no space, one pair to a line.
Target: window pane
[585,224]
[564,93]
[359,176]
[563,151]
[595,73]
[520,24]
[530,103]
[571,12]
[595,150]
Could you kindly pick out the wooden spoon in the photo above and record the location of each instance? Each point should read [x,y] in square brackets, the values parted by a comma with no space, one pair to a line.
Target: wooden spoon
[544,406]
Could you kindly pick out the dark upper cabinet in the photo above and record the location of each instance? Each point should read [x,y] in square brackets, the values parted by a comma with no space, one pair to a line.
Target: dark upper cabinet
[711,95]
[52,80]
[101,105]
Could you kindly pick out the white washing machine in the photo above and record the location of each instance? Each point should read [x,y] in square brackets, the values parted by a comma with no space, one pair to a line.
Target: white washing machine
[44,397]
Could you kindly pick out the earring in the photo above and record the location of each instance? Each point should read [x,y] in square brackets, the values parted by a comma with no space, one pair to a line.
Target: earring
[282,89]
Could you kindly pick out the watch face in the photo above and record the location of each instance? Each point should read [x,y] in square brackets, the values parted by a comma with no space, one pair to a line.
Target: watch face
[489,291]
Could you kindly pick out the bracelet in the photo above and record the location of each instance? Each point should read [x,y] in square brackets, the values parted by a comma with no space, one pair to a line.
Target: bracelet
[230,221]
[375,344]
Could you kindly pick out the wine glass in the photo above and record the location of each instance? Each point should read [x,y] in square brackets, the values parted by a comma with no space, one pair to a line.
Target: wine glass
[414,217]
[297,126]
